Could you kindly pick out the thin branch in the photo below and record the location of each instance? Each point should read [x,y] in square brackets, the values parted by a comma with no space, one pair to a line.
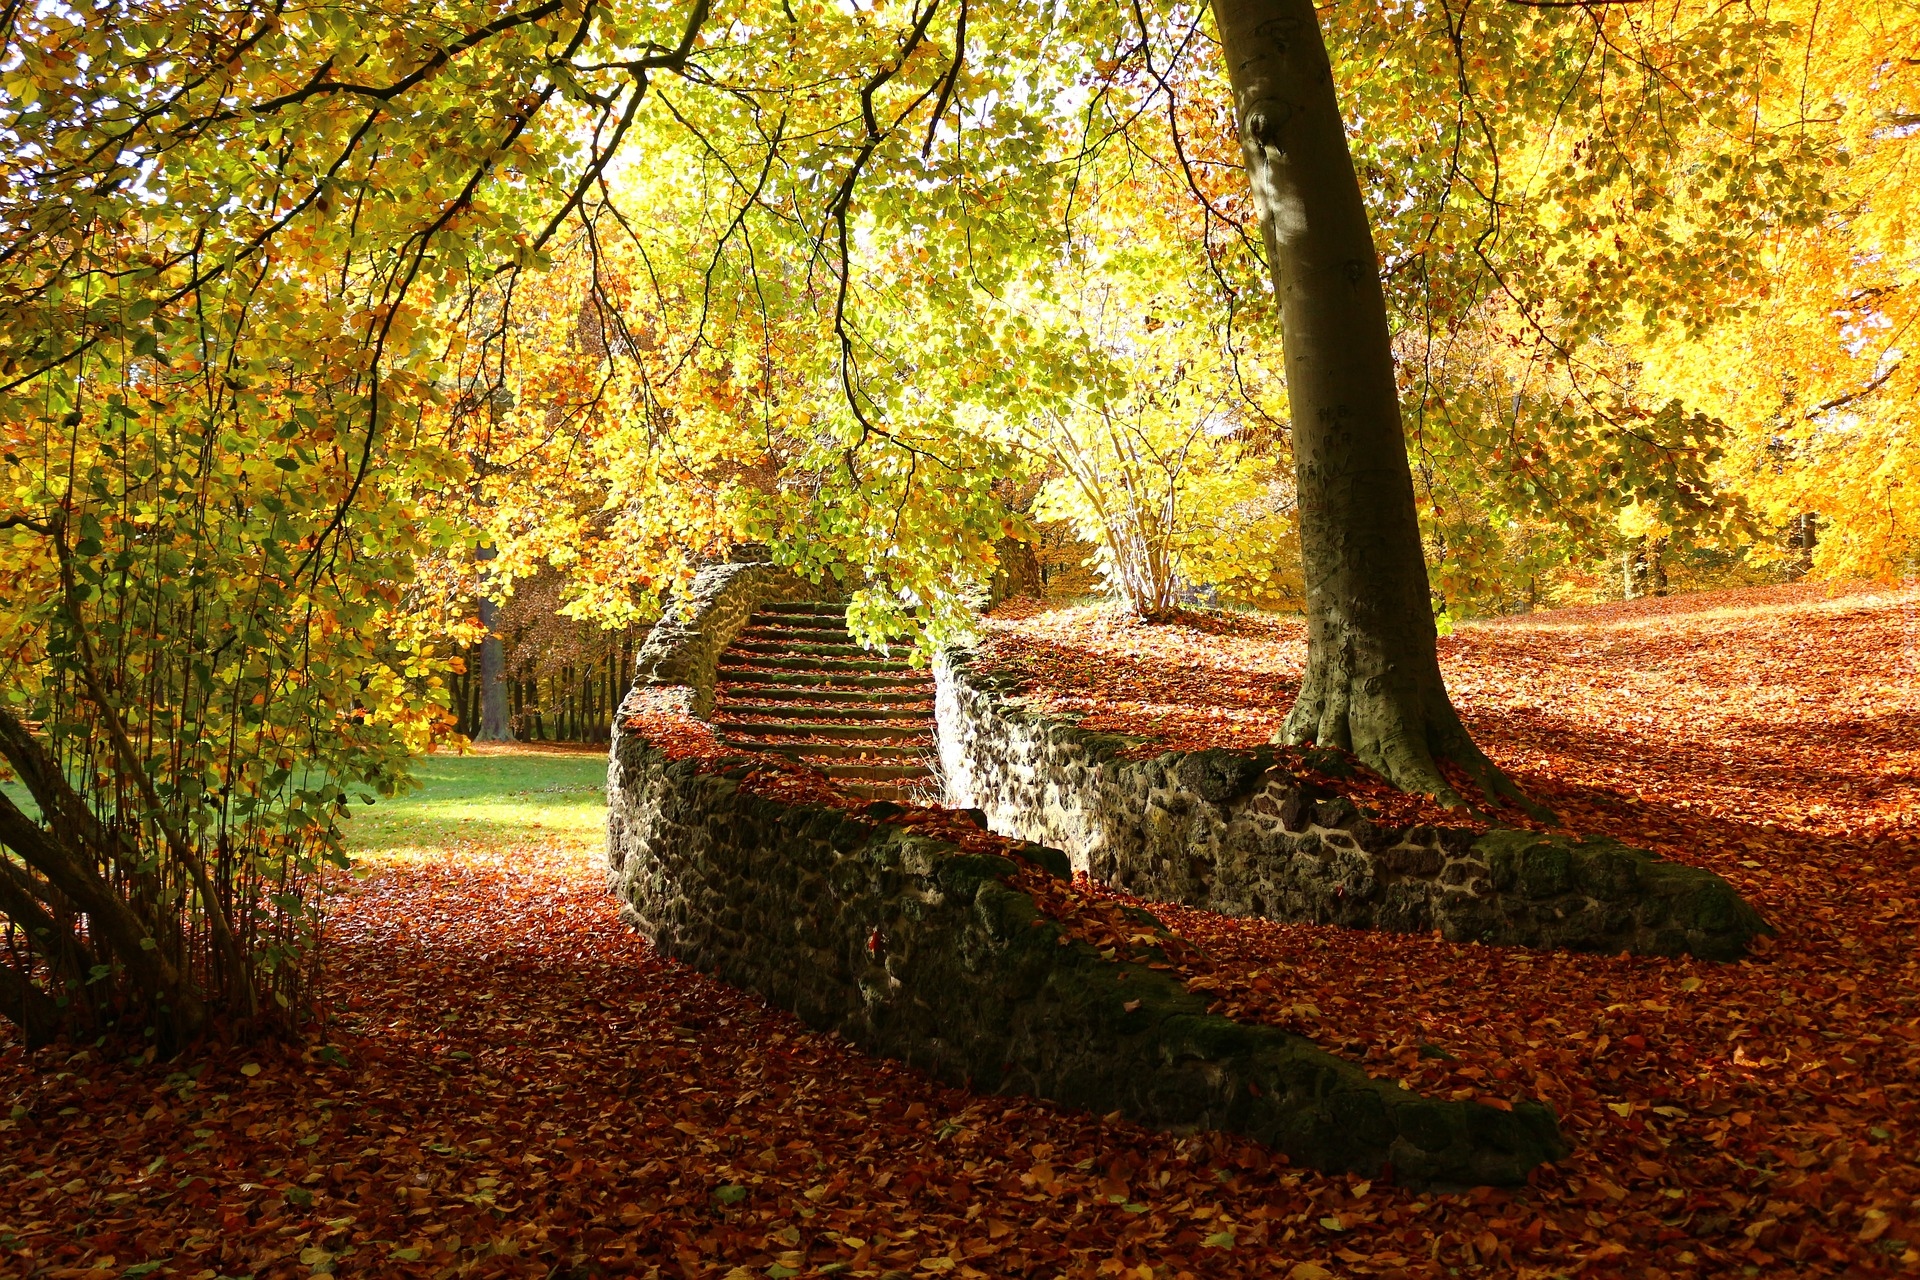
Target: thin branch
[948,81]
[1841,402]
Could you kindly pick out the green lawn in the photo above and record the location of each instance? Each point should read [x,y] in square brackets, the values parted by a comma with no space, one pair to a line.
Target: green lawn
[504,796]
[18,794]
[499,796]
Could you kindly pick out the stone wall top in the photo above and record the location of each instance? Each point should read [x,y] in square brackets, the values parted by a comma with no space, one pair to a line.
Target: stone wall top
[684,647]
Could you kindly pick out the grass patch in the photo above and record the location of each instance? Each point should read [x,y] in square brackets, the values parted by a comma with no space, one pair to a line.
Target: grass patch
[13,791]
[495,795]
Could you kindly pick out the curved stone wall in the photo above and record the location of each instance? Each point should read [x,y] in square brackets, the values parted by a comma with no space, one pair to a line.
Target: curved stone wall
[1237,832]
[914,948]
[684,647]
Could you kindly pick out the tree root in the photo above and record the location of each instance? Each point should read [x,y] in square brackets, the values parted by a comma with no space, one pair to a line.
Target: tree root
[1404,735]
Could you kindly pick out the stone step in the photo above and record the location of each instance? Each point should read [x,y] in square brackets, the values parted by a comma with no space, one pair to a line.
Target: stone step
[740,678]
[899,793]
[735,711]
[793,624]
[793,635]
[796,621]
[826,730]
[894,722]
[797,648]
[824,695]
[735,660]
[831,752]
[729,717]
[819,608]
[830,712]
[874,772]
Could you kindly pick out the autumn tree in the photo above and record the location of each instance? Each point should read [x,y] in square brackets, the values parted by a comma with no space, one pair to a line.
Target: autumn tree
[236,248]
[1373,683]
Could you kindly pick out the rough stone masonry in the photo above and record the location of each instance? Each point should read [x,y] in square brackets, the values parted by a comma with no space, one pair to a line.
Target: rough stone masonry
[916,949]
[1238,833]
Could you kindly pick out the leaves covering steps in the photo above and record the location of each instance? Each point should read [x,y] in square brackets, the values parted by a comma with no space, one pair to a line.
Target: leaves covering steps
[794,684]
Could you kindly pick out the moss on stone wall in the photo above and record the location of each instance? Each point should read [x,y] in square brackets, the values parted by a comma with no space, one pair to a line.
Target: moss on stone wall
[916,949]
[1240,833]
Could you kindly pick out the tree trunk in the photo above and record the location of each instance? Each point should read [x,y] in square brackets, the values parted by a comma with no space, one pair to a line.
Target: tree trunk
[1805,537]
[1016,573]
[1373,683]
[496,722]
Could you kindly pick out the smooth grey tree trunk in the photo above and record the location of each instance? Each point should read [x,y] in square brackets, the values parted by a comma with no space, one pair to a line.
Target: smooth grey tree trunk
[496,719]
[1373,683]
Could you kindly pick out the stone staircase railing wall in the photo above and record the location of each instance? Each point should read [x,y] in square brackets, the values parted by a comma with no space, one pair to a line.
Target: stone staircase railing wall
[1238,833]
[684,647]
[916,949]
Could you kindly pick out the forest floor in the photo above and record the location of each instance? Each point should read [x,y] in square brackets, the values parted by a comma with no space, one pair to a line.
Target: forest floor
[514,1084]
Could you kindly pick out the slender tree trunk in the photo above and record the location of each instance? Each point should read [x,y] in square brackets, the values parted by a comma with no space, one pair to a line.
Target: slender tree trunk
[1805,537]
[496,722]
[460,687]
[1637,569]
[613,685]
[1373,683]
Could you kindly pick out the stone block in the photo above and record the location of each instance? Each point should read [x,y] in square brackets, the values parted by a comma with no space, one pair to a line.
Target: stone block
[1220,776]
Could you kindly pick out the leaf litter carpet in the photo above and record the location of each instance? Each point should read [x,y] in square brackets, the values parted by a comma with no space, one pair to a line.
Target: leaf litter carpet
[515,1085]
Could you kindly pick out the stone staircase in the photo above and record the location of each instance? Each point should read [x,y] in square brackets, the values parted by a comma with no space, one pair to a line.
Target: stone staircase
[793,683]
